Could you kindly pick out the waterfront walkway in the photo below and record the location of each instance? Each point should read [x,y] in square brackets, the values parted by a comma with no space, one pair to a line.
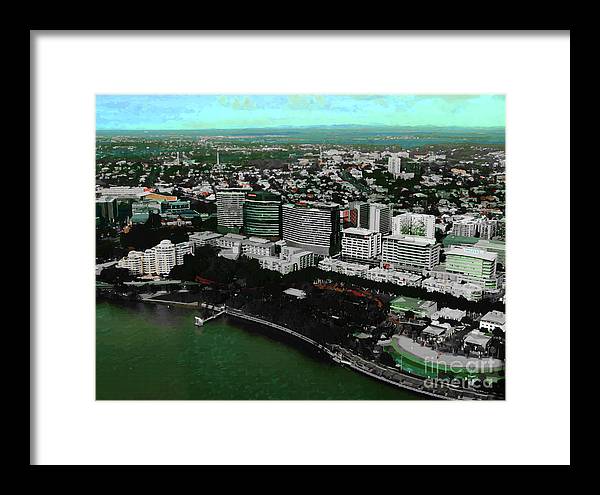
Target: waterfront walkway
[256,319]
[393,377]
[347,358]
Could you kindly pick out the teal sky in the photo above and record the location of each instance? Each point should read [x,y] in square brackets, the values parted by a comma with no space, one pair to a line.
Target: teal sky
[180,112]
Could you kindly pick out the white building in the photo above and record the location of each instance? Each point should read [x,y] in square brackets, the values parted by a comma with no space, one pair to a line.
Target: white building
[297,293]
[149,262]
[199,239]
[475,227]
[449,314]
[343,267]
[360,244]
[230,241]
[416,224]
[395,165]
[289,260]
[302,258]
[465,227]
[487,228]
[123,192]
[165,256]
[157,260]
[257,246]
[133,262]
[471,292]
[410,252]
[380,218]
[394,277]
[493,319]
[182,249]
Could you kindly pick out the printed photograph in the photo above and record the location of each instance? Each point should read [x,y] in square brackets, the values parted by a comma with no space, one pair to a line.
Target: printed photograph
[300,247]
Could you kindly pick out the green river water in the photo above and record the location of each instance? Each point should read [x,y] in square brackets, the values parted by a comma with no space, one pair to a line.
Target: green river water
[147,352]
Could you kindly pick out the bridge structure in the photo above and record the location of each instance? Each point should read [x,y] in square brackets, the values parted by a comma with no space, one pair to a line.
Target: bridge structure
[256,319]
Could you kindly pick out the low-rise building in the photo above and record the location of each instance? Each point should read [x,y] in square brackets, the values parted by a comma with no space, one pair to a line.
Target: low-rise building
[257,246]
[436,332]
[477,341]
[449,314]
[394,277]
[493,319]
[471,292]
[297,293]
[199,239]
[289,260]
[230,241]
[421,308]
[343,267]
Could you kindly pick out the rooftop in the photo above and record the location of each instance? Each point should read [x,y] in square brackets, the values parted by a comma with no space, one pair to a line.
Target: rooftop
[357,231]
[476,337]
[471,253]
[423,241]
[205,235]
[437,329]
[409,303]
[295,292]
[494,316]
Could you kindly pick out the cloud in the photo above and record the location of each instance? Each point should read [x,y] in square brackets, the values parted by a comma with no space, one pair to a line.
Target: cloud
[227,111]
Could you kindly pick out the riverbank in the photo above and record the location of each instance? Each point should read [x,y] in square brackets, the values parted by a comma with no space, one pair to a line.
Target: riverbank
[343,357]
[150,352]
[394,377]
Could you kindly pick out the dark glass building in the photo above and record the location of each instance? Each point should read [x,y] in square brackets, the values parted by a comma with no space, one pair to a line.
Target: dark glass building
[262,214]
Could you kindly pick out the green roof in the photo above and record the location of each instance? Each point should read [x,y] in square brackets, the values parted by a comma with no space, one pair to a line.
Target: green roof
[456,239]
[406,303]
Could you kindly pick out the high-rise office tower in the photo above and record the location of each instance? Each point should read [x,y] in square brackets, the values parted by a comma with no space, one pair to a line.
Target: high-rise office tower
[262,214]
[314,227]
[414,224]
[230,209]
[362,214]
[374,216]
[380,218]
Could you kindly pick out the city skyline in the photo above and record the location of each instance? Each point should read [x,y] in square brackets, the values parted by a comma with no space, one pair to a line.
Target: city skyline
[370,229]
[196,112]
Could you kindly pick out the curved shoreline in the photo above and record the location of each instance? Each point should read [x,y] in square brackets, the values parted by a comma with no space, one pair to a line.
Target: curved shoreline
[338,358]
[409,382]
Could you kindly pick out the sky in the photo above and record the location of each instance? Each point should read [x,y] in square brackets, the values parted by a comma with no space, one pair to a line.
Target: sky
[189,112]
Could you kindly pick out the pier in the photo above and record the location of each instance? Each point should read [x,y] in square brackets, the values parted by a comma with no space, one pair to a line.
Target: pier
[199,321]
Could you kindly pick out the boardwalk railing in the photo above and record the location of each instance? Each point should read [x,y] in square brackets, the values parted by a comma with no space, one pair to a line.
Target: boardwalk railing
[245,316]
